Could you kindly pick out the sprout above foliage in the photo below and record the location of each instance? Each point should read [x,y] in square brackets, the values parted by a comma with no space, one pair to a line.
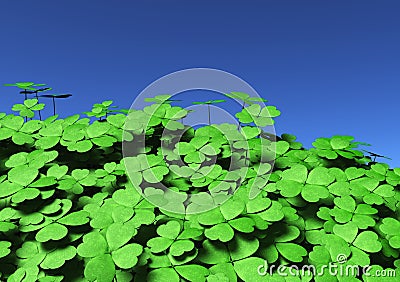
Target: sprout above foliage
[55,96]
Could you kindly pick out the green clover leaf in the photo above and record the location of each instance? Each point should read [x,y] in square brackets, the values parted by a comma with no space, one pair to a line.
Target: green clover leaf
[169,230]
[94,244]
[273,213]
[75,218]
[368,241]
[246,268]
[232,208]
[291,234]
[213,252]
[289,188]
[211,217]
[340,142]
[127,256]
[118,235]
[163,275]
[8,188]
[313,193]
[100,269]
[242,246]
[391,227]
[193,272]
[53,231]
[159,244]
[58,257]
[127,197]
[347,231]
[180,247]
[22,175]
[291,251]
[260,117]
[57,171]
[25,194]
[4,248]
[320,176]
[97,129]
[346,203]
[243,224]
[245,98]
[258,204]
[336,246]
[222,232]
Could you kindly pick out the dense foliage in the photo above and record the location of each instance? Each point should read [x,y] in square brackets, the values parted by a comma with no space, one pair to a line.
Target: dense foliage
[76,206]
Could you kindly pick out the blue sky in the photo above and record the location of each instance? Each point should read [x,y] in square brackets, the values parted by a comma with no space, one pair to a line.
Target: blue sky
[331,67]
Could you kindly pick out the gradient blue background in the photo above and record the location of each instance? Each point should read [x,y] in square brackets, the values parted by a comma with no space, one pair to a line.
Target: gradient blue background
[331,67]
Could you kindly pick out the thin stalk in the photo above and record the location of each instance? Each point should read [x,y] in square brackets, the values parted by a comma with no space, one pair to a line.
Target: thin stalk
[244,102]
[37,97]
[209,116]
[26,97]
[54,107]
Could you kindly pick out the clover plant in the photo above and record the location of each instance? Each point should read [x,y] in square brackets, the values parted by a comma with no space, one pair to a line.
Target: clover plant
[28,107]
[28,88]
[102,110]
[25,86]
[36,95]
[376,155]
[56,96]
[245,99]
[161,99]
[208,103]
[79,202]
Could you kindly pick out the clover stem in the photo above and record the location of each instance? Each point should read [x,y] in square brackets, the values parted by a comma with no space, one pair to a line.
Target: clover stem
[209,117]
[54,106]
[244,103]
[26,97]
[37,97]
